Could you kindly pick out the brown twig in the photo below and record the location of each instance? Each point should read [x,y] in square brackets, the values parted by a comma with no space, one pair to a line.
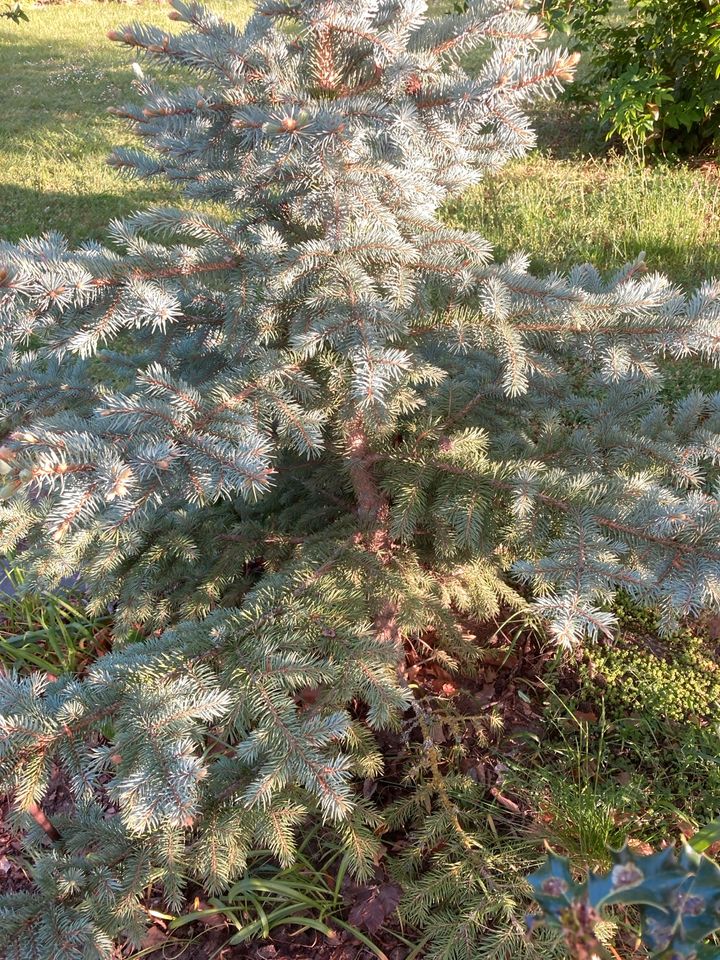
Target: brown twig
[41,819]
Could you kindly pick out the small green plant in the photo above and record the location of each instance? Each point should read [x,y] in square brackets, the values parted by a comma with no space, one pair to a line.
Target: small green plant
[47,631]
[584,816]
[568,779]
[677,896]
[307,895]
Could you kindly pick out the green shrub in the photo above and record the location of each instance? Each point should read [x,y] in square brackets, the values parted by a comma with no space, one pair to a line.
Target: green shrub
[655,65]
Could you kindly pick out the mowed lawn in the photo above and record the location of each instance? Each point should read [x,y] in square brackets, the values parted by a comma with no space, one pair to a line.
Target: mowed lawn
[561,205]
[60,75]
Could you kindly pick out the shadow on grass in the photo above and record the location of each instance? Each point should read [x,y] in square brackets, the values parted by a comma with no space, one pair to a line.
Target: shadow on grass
[570,131]
[78,216]
[61,74]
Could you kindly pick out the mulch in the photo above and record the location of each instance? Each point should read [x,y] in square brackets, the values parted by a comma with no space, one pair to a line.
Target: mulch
[13,876]
[285,945]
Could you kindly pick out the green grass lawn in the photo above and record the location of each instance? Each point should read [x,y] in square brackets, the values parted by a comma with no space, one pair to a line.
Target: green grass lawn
[569,210]
[61,74]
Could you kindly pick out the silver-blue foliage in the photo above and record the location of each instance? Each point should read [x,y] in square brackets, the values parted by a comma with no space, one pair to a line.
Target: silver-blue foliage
[298,419]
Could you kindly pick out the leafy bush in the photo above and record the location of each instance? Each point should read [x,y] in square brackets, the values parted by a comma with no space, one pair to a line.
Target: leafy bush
[14,13]
[656,65]
[282,439]
[678,896]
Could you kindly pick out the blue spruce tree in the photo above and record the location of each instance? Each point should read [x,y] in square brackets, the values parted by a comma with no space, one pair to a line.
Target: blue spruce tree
[281,437]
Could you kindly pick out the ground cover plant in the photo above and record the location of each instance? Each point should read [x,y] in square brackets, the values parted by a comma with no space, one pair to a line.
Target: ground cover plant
[287,440]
